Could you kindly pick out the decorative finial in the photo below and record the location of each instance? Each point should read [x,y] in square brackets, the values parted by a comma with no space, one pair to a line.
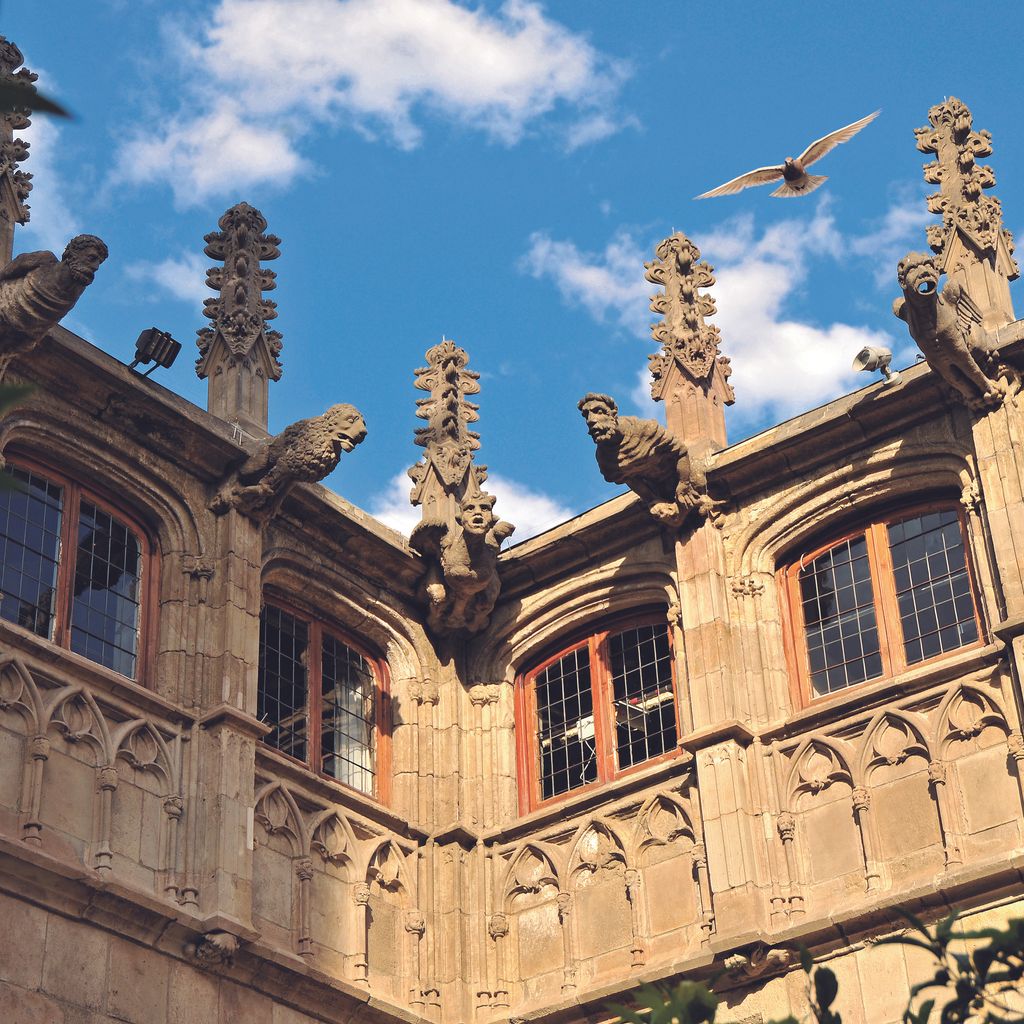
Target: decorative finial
[458,533]
[238,353]
[15,184]
[689,374]
[971,243]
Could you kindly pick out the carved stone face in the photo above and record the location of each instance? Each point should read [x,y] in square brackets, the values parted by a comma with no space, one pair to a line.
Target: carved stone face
[477,514]
[602,421]
[918,274]
[347,427]
[83,257]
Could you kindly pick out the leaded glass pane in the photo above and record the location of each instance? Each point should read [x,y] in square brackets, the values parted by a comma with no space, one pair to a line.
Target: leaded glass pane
[346,736]
[281,700]
[30,523]
[565,724]
[840,628]
[932,587]
[106,596]
[644,701]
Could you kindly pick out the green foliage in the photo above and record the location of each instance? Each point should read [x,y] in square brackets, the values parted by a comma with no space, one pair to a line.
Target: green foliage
[976,973]
[21,95]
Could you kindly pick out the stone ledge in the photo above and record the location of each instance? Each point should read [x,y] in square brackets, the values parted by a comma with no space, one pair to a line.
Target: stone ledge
[229,717]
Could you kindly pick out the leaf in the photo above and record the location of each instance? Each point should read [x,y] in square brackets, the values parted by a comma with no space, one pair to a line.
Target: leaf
[826,987]
[18,95]
[944,929]
[806,960]
[915,921]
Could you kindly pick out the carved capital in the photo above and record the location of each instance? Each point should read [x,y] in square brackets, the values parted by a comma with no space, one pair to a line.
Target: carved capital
[415,923]
[747,586]
[861,798]
[39,748]
[786,825]
[1015,744]
[936,772]
[970,498]
[361,894]
[304,869]
[425,691]
[497,926]
[700,856]
[174,807]
[484,693]
[107,778]
[564,906]
[213,949]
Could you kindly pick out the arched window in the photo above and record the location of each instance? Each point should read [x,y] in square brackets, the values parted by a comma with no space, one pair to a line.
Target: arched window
[892,594]
[72,569]
[322,696]
[597,708]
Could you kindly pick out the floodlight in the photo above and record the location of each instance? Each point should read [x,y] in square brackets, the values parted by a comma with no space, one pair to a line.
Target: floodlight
[874,357]
[156,347]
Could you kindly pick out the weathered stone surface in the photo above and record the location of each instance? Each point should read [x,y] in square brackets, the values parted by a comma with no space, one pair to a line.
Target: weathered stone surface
[23,1007]
[139,981]
[75,963]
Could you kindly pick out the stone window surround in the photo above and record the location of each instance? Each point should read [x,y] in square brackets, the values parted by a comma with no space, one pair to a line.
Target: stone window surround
[886,610]
[149,559]
[382,704]
[527,757]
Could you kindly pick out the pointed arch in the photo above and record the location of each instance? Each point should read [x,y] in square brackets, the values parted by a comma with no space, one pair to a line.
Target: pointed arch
[531,870]
[330,835]
[891,738]
[388,870]
[817,764]
[596,845]
[73,712]
[19,692]
[276,810]
[139,743]
[965,712]
[661,821]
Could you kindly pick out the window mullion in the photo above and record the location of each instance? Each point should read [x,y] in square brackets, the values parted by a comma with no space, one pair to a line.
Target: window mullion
[886,606]
[66,566]
[600,681]
[314,695]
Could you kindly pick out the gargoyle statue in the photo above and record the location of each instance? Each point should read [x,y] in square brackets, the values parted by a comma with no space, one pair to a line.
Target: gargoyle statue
[461,583]
[305,452]
[945,326]
[643,455]
[37,290]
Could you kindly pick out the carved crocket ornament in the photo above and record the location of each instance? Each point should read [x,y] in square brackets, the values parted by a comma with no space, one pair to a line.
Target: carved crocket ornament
[305,452]
[946,326]
[645,457]
[37,290]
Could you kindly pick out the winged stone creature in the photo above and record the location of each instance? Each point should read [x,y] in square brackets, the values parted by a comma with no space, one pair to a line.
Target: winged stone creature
[793,173]
[946,327]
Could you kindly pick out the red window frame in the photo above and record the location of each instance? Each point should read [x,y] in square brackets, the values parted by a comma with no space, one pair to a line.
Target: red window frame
[528,755]
[887,612]
[149,566]
[317,628]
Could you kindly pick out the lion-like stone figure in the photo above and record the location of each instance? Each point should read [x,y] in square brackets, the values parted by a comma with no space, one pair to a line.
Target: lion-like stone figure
[944,325]
[643,455]
[37,290]
[462,584]
[305,452]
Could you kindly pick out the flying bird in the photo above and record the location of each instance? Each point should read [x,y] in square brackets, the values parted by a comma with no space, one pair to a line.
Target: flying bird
[795,179]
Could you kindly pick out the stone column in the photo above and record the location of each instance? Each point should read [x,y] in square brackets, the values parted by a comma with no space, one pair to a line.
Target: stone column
[862,814]
[950,841]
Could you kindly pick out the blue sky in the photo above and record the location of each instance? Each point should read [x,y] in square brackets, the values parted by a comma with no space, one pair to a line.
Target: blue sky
[497,173]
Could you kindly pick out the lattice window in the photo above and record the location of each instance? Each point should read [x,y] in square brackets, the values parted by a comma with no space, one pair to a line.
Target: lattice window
[894,594]
[71,570]
[322,698]
[605,705]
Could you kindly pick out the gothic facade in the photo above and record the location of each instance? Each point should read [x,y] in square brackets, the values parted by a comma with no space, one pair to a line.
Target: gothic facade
[263,758]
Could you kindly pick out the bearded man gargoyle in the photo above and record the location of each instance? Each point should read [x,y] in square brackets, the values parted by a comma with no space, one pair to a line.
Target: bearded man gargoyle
[462,584]
[305,452]
[945,326]
[37,290]
[643,455]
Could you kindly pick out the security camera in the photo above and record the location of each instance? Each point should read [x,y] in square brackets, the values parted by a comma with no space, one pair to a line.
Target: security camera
[874,357]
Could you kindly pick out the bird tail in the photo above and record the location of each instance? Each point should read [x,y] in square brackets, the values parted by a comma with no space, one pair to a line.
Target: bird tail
[808,183]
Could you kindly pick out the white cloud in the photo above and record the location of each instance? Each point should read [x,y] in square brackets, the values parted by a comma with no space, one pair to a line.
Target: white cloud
[278,67]
[183,276]
[608,285]
[531,511]
[51,222]
[782,365]
[900,231]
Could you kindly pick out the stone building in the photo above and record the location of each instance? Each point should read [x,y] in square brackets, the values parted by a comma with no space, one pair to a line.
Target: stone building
[264,759]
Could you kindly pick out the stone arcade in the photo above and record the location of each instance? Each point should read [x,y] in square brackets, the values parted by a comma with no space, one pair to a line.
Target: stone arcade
[428,781]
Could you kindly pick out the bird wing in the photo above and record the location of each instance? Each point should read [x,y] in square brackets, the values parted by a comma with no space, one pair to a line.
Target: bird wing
[968,313]
[761,176]
[816,150]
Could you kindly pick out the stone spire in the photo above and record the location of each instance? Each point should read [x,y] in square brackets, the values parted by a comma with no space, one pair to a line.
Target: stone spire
[458,534]
[690,376]
[973,247]
[238,353]
[15,184]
